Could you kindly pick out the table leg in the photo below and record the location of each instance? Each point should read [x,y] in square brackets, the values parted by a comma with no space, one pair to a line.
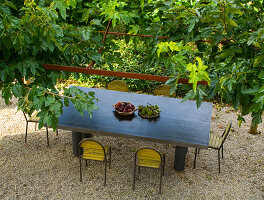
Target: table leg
[76,138]
[86,135]
[179,159]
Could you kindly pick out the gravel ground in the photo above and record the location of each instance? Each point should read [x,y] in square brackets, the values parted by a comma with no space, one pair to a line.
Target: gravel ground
[38,172]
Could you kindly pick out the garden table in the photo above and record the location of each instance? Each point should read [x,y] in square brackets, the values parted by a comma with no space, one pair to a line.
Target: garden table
[179,124]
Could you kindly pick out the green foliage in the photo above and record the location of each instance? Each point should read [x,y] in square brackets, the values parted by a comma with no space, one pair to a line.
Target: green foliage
[40,36]
[166,47]
[125,57]
[229,40]
[224,39]
[197,73]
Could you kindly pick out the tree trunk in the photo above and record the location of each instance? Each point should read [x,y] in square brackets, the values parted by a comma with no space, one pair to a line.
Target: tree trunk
[253,129]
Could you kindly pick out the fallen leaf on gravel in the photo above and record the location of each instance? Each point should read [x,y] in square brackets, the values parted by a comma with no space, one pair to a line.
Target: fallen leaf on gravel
[209,176]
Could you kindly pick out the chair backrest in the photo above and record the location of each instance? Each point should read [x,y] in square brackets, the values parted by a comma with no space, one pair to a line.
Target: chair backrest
[31,118]
[163,90]
[26,117]
[227,130]
[92,150]
[148,157]
[118,85]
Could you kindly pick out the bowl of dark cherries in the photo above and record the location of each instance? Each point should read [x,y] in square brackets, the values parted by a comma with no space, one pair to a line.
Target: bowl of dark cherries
[124,108]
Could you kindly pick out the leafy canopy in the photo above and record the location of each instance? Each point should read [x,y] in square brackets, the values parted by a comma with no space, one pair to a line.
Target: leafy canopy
[217,41]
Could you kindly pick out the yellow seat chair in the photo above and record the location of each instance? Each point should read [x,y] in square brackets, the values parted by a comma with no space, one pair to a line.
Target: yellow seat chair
[217,143]
[33,118]
[149,157]
[118,85]
[163,90]
[90,149]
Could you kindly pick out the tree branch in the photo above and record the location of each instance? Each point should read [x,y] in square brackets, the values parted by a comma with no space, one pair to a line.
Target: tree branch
[54,94]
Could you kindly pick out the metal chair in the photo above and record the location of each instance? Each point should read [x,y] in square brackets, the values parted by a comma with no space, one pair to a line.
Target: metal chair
[90,149]
[163,90]
[217,143]
[149,157]
[33,118]
[118,85]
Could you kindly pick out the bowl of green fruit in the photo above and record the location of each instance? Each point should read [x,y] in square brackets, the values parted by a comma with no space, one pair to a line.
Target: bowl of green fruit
[149,111]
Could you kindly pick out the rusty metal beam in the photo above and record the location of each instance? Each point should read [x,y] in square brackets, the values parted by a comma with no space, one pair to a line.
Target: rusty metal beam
[150,36]
[114,73]
[101,48]
[105,34]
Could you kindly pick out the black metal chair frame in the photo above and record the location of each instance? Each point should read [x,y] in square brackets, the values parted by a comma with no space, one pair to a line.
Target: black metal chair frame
[36,122]
[109,153]
[161,168]
[218,149]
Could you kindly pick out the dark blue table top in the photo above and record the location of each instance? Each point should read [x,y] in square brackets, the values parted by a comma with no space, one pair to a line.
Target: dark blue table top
[181,124]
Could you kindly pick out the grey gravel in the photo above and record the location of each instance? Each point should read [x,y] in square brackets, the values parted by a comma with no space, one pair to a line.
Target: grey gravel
[34,171]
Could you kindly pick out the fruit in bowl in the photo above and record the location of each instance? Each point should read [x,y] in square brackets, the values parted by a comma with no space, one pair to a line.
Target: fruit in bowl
[124,108]
[148,111]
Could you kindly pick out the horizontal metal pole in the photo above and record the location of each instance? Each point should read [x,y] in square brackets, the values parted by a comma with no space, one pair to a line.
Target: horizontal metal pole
[115,73]
[150,36]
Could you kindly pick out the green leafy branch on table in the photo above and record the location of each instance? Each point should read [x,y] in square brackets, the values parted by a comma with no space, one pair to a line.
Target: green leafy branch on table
[49,103]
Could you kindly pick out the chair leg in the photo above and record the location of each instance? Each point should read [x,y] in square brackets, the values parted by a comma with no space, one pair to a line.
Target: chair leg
[105,172]
[86,163]
[161,174]
[138,170]
[134,178]
[194,163]
[80,169]
[26,132]
[110,157]
[47,130]
[219,160]
[163,167]
[223,152]
[36,126]
[57,132]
